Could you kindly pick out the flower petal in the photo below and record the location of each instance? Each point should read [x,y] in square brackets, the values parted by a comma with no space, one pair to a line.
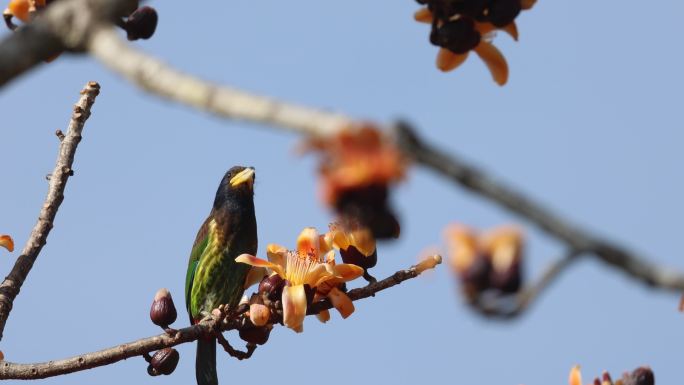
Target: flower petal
[294,307]
[20,9]
[423,15]
[363,240]
[258,262]
[447,60]
[323,316]
[575,376]
[7,242]
[347,272]
[308,242]
[341,301]
[255,275]
[276,254]
[527,4]
[494,60]
[511,29]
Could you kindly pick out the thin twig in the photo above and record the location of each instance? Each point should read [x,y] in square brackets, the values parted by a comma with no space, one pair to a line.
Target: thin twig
[63,170]
[206,327]
[240,355]
[509,307]
[479,182]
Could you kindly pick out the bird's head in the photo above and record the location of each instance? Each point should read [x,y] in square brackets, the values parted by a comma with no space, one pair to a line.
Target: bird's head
[237,185]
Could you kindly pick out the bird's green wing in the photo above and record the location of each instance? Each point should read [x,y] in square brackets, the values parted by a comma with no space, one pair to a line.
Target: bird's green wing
[198,248]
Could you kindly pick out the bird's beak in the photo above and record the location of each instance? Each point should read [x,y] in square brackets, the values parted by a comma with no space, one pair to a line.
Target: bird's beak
[246,175]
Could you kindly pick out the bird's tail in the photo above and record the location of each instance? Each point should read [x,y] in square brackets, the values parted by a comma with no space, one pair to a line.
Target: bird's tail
[205,362]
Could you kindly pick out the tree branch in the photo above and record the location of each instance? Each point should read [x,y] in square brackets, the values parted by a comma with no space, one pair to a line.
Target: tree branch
[206,327]
[64,25]
[509,307]
[158,78]
[582,240]
[9,289]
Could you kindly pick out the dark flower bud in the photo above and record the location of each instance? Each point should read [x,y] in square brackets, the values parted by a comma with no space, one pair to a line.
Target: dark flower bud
[163,362]
[458,36]
[640,376]
[310,292]
[606,378]
[369,207]
[355,257]
[163,312]
[503,12]
[255,335]
[272,285]
[142,23]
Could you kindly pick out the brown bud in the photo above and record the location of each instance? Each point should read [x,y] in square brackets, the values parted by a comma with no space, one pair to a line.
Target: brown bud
[259,314]
[272,285]
[355,257]
[163,312]
[163,362]
[255,335]
[142,23]
[640,376]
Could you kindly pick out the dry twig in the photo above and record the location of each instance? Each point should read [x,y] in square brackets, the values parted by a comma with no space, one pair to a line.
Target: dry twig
[63,170]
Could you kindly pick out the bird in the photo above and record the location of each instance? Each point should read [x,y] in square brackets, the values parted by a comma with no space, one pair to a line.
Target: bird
[214,277]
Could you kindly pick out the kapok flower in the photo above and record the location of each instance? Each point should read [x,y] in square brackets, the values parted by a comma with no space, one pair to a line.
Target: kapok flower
[469,25]
[640,376]
[7,242]
[357,166]
[355,242]
[491,260]
[306,266]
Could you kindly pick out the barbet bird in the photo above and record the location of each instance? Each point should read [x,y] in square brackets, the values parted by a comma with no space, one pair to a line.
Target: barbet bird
[213,277]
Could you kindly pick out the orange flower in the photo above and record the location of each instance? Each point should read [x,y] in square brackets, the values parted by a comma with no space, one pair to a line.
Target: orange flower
[470,26]
[491,260]
[357,166]
[7,242]
[307,266]
[355,243]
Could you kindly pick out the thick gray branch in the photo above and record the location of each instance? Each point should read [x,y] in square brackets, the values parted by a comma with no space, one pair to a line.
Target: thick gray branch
[9,289]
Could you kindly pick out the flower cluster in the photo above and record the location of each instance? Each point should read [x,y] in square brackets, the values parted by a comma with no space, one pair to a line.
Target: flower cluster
[7,242]
[490,261]
[461,26]
[358,165]
[639,376]
[302,276]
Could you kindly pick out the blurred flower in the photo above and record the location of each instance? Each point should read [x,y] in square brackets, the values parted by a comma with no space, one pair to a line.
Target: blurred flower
[307,268]
[487,261]
[639,376]
[357,166]
[461,26]
[7,242]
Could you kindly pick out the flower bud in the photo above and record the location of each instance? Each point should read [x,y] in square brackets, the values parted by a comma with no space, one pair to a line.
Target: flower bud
[163,362]
[640,376]
[142,23]
[163,312]
[255,335]
[259,314]
[355,257]
[272,285]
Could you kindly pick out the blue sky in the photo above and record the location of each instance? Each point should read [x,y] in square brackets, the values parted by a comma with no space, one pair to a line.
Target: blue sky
[589,124]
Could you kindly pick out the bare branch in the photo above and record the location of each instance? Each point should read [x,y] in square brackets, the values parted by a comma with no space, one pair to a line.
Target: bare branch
[158,78]
[207,327]
[9,289]
[509,307]
[479,182]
